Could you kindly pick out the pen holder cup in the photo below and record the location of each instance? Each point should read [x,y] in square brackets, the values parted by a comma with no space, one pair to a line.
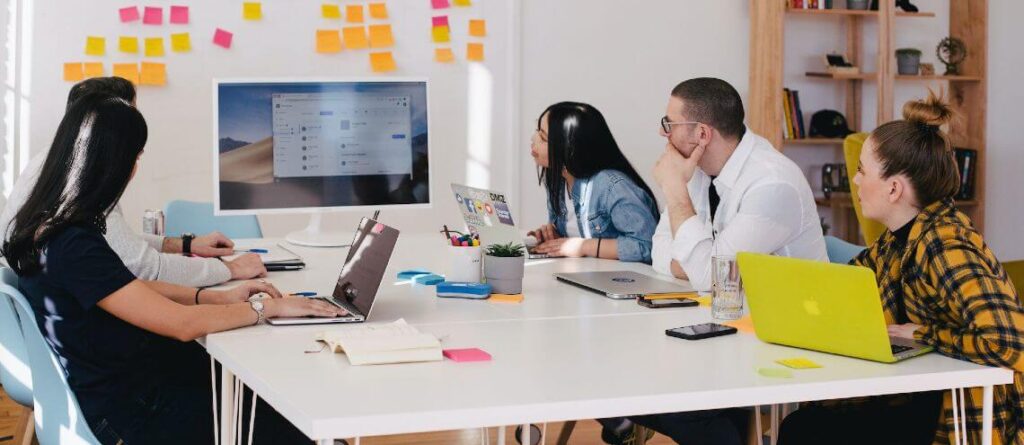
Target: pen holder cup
[464,264]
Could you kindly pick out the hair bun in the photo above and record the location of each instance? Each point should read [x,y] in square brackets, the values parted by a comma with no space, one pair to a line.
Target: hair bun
[932,111]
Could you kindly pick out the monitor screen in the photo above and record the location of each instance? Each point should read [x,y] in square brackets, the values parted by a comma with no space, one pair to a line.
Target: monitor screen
[305,146]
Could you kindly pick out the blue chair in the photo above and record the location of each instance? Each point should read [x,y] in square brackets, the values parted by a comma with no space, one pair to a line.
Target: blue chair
[15,373]
[58,419]
[198,218]
[840,251]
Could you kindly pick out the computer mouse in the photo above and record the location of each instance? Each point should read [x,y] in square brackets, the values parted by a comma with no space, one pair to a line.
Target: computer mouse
[530,241]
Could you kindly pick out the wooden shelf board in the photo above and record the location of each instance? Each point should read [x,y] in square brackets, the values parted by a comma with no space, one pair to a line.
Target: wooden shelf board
[854,12]
[840,199]
[841,76]
[813,141]
[940,77]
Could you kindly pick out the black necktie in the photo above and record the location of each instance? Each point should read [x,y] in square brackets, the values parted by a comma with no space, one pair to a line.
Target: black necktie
[713,198]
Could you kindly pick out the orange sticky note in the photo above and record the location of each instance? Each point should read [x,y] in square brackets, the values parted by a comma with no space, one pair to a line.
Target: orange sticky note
[95,46]
[475,52]
[328,41]
[252,10]
[355,37]
[444,55]
[462,3]
[153,74]
[181,42]
[329,11]
[506,298]
[745,324]
[382,62]
[441,34]
[380,36]
[379,11]
[128,44]
[92,69]
[129,71]
[154,47]
[478,28]
[354,13]
[73,72]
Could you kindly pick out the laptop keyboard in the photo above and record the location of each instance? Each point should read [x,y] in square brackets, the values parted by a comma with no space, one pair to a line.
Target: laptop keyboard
[896,349]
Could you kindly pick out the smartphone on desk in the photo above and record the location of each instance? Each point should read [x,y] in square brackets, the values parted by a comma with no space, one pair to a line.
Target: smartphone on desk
[700,331]
[666,302]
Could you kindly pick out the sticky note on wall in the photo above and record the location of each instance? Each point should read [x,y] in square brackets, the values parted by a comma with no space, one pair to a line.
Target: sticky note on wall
[441,34]
[378,11]
[179,15]
[73,72]
[444,55]
[382,62]
[154,47]
[181,42]
[439,4]
[153,73]
[329,11]
[154,16]
[462,2]
[252,11]
[440,20]
[128,44]
[222,38]
[92,69]
[475,52]
[355,37]
[478,28]
[354,13]
[129,71]
[129,14]
[328,41]
[381,37]
[95,46]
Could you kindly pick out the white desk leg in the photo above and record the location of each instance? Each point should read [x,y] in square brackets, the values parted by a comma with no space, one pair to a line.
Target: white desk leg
[525,437]
[501,435]
[227,402]
[325,442]
[216,412]
[986,416]
[773,435]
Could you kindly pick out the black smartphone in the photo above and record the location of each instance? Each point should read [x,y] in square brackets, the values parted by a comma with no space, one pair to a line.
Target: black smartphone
[700,331]
[659,303]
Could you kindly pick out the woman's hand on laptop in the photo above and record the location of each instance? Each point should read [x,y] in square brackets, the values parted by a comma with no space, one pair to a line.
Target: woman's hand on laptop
[246,266]
[562,247]
[544,233]
[301,307]
[905,330]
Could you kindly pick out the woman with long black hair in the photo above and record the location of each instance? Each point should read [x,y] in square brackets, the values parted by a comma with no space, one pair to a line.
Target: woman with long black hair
[126,345]
[598,205]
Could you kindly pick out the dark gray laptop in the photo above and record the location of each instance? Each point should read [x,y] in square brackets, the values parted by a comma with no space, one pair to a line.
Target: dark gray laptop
[622,285]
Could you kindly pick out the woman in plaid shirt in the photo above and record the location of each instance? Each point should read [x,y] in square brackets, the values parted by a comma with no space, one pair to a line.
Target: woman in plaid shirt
[940,285]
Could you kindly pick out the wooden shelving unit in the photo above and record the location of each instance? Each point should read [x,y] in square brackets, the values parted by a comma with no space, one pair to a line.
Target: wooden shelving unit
[968,21]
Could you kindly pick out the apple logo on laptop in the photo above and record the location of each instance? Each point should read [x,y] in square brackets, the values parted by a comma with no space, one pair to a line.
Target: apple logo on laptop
[623,280]
[811,307]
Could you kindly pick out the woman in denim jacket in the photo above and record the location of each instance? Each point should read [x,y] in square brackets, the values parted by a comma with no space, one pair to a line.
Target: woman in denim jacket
[598,206]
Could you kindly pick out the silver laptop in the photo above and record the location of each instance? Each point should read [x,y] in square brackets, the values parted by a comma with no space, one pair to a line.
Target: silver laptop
[488,214]
[622,285]
[360,276]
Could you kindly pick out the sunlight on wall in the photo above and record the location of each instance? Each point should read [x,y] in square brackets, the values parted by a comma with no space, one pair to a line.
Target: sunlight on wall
[17,84]
[479,126]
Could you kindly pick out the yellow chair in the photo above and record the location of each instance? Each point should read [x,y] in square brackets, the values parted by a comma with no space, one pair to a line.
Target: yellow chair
[1015,270]
[852,145]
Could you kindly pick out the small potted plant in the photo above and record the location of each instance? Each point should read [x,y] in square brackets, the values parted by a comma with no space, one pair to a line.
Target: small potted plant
[908,61]
[504,268]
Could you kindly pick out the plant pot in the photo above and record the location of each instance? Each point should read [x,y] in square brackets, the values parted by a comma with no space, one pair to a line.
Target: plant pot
[857,4]
[908,64]
[504,274]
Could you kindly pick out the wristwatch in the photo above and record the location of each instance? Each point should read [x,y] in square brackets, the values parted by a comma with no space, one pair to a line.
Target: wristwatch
[186,243]
[257,305]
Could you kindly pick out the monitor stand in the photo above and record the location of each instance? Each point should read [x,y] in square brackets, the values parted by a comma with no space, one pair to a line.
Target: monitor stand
[314,235]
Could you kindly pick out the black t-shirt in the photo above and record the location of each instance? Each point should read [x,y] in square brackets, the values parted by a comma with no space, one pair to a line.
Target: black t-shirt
[106,359]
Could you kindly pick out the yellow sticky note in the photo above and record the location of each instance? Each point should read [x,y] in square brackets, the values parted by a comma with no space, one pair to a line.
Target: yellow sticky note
[154,47]
[128,71]
[382,62]
[444,55]
[441,34]
[775,373]
[462,2]
[92,69]
[328,41]
[128,44]
[355,37]
[181,42]
[330,11]
[252,10]
[73,72]
[379,11]
[95,46]
[380,36]
[475,52]
[354,13]
[153,74]
[798,363]
[704,301]
[478,28]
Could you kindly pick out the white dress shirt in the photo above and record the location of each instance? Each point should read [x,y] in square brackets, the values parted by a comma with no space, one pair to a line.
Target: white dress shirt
[766,207]
[140,253]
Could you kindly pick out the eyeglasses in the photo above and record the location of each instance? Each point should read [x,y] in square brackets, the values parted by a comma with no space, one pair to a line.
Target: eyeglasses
[667,125]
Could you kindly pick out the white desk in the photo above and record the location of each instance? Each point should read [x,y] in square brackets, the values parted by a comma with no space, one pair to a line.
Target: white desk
[563,354]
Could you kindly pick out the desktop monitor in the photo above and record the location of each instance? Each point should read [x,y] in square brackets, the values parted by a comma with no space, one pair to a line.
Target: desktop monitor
[311,146]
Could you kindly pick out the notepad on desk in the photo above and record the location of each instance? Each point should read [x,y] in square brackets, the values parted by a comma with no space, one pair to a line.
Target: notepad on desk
[383,343]
[275,258]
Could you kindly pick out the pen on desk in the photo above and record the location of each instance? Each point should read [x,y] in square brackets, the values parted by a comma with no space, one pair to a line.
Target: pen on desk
[251,251]
[302,294]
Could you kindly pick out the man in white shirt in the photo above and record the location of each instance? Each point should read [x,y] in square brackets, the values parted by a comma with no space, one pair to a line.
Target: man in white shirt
[149,257]
[727,190]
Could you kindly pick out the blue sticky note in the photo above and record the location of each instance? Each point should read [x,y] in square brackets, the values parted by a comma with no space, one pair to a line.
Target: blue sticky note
[411,273]
[428,279]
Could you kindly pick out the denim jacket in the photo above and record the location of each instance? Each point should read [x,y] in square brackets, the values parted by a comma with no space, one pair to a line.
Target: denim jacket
[610,205]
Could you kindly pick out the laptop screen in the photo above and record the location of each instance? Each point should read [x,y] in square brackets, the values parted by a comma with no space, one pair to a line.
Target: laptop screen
[488,214]
[365,265]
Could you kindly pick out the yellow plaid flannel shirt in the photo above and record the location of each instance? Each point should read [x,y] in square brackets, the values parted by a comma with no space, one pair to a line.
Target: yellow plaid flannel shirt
[953,286]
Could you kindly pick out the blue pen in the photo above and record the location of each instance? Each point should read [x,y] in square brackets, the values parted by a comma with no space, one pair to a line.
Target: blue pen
[303,294]
[252,251]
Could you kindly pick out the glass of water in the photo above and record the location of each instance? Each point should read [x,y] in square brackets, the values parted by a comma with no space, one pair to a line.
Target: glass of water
[727,288]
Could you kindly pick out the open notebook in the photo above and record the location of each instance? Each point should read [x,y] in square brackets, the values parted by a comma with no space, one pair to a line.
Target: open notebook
[381,343]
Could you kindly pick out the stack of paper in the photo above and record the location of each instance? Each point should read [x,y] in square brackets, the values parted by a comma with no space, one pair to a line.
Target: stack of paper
[381,343]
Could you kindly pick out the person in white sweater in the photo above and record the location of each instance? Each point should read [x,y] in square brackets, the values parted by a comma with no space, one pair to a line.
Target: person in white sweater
[149,257]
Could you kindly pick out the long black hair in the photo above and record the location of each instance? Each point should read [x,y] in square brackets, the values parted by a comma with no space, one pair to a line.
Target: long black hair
[85,173]
[580,142]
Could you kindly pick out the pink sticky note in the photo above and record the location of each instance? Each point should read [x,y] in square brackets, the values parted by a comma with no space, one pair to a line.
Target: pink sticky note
[466,355]
[154,15]
[129,14]
[179,15]
[222,38]
[441,20]
[439,4]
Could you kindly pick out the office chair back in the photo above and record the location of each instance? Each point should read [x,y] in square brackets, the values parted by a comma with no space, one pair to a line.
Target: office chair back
[15,374]
[198,218]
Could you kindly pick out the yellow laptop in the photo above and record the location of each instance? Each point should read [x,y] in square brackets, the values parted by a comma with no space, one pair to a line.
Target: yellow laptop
[824,307]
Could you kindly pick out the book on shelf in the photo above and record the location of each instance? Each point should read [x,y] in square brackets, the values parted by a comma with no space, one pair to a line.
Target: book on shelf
[787,119]
[966,160]
[793,115]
